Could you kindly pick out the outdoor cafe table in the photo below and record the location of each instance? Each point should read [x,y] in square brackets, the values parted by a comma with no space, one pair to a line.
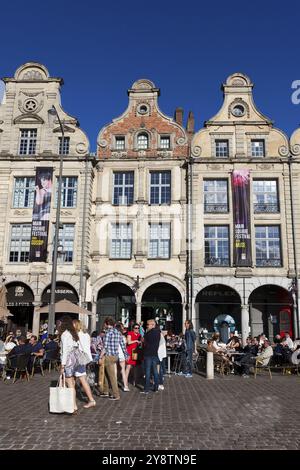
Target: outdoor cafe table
[169,354]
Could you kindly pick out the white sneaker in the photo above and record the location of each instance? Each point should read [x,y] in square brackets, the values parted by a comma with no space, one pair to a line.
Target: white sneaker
[161,387]
[126,389]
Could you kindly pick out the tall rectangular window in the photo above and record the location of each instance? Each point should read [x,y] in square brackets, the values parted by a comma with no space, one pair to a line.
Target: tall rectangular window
[222,148]
[24,189]
[28,141]
[123,190]
[265,196]
[66,242]
[160,187]
[121,241]
[215,196]
[257,148]
[120,142]
[19,243]
[159,241]
[216,242]
[165,142]
[68,191]
[64,148]
[267,243]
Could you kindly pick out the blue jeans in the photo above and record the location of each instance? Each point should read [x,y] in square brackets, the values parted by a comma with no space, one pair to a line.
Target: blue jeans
[151,362]
[162,371]
[188,363]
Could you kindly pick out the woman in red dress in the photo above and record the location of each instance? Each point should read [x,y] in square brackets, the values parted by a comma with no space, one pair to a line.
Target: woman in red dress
[133,340]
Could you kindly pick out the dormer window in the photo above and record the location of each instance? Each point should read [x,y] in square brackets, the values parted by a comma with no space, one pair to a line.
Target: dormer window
[165,142]
[120,142]
[258,148]
[142,141]
[64,145]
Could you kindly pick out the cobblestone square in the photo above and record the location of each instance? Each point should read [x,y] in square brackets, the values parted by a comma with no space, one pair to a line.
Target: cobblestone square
[225,413]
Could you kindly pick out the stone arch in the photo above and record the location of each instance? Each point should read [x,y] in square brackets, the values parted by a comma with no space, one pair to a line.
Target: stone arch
[112,278]
[256,282]
[162,278]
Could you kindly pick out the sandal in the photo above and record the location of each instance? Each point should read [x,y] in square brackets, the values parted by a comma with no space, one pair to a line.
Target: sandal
[90,404]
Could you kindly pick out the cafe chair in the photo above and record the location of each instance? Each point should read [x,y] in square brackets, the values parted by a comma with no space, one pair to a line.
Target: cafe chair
[16,364]
[261,367]
[37,364]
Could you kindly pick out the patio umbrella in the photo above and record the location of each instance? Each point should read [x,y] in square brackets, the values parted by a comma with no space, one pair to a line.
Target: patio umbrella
[65,306]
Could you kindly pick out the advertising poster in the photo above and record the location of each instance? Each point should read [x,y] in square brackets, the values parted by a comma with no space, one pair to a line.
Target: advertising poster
[41,215]
[241,214]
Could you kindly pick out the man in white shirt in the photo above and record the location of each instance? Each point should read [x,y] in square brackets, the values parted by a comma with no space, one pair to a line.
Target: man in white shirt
[288,340]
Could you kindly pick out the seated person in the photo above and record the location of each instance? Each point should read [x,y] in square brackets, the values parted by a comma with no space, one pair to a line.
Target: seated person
[216,342]
[234,343]
[37,349]
[172,342]
[22,349]
[262,358]
[219,355]
[51,345]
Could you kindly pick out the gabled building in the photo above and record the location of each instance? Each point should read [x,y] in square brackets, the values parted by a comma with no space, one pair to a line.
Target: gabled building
[243,246]
[31,139]
[138,259]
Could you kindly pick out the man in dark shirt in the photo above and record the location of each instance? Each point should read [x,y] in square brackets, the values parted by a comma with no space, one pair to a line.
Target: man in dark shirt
[22,349]
[37,350]
[151,361]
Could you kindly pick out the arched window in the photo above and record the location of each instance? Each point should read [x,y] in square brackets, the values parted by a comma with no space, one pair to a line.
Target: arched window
[142,141]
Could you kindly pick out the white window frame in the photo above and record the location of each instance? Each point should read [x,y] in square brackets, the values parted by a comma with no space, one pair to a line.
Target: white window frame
[163,235]
[123,186]
[219,141]
[162,145]
[121,236]
[265,196]
[118,140]
[217,248]
[66,238]
[142,141]
[66,149]
[267,240]
[19,241]
[24,190]
[215,193]
[28,142]
[254,148]
[160,185]
[66,190]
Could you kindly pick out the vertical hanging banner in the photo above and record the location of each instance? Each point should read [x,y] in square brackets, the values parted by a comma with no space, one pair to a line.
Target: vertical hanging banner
[241,218]
[41,215]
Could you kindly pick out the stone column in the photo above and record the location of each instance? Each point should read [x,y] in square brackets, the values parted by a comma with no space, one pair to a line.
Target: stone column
[245,323]
[36,321]
[209,365]
[138,312]
[93,317]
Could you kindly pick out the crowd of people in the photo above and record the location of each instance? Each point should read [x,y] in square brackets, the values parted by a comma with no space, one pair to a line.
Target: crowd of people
[115,350]
[258,349]
[128,356]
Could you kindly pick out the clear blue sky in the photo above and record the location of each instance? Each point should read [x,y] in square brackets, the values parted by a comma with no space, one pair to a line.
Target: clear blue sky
[187,48]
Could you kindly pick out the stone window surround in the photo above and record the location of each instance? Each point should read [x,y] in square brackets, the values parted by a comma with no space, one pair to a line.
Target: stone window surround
[221,136]
[250,136]
[113,145]
[129,169]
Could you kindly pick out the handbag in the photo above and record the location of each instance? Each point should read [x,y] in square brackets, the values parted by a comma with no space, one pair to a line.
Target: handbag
[81,358]
[134,355]
[61,399]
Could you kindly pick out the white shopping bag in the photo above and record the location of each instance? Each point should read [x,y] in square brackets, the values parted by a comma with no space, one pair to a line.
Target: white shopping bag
[61,398]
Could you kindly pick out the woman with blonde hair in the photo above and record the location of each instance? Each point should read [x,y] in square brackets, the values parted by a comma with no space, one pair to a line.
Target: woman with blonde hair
[72,336]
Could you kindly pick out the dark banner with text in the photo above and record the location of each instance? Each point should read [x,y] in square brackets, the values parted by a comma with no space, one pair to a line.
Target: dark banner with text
[41,214]
[241,214]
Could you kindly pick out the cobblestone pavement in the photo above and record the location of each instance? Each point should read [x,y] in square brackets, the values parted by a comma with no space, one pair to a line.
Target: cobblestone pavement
[224,413]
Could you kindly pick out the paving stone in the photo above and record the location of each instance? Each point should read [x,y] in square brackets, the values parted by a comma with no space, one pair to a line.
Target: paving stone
[188,414]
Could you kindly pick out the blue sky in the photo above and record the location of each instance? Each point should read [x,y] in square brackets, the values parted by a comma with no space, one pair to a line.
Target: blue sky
[187,48]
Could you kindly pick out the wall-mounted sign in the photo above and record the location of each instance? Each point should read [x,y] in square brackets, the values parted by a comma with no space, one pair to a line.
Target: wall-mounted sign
[41,215]
[241,215]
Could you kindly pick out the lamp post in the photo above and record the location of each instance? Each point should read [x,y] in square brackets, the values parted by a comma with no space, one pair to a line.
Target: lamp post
[51,318]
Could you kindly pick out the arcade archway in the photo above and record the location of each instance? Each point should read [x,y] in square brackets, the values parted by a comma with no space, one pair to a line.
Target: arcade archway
[20,304]
[219,310]
[163,302]
[63,290]
[271,311]
[118,301]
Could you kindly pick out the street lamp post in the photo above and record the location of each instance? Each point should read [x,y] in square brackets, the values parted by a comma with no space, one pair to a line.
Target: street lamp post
[51,318]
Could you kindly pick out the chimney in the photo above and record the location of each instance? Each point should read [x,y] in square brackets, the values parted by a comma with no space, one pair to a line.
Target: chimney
[190,126]
[178,116]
